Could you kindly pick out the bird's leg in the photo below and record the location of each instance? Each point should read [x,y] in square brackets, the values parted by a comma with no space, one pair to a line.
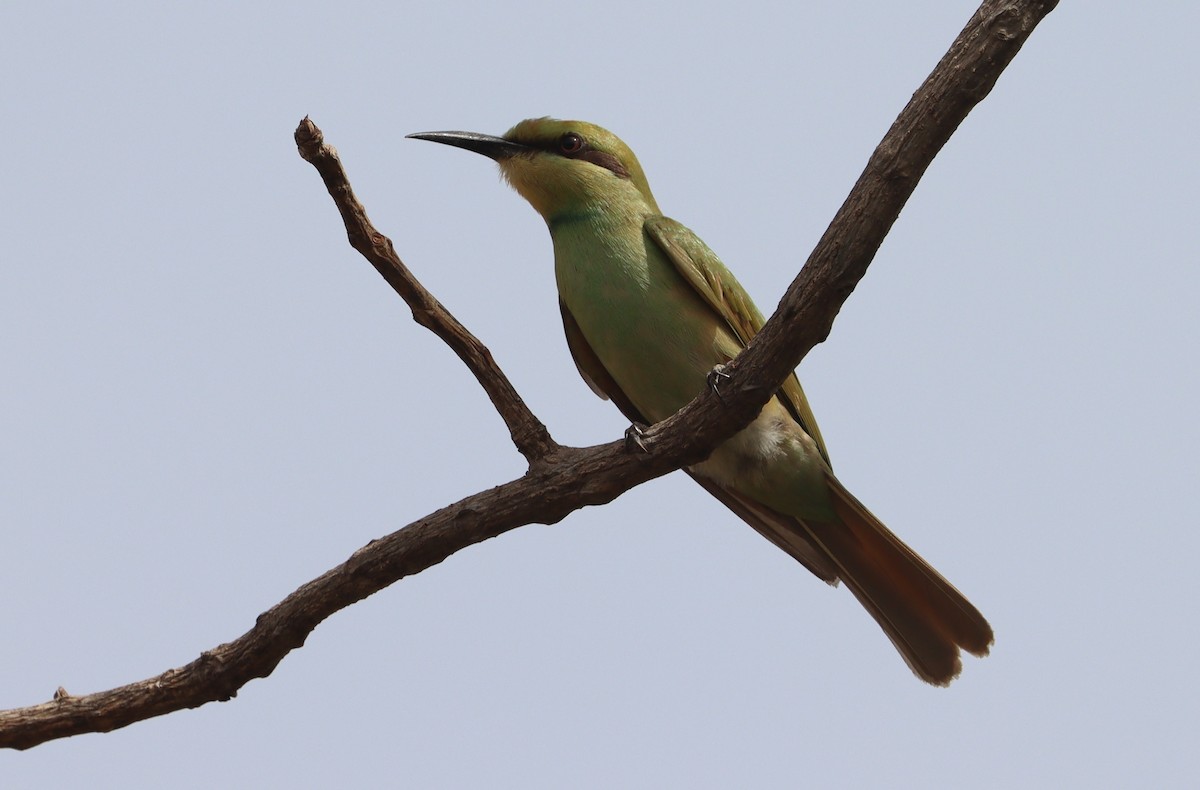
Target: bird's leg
[714,379]
[633,437]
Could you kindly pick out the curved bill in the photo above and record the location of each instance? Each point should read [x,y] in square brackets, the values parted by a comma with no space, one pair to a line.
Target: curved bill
[493,147]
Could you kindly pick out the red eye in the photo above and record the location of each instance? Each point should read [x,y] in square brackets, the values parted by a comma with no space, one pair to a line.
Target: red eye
[570,143]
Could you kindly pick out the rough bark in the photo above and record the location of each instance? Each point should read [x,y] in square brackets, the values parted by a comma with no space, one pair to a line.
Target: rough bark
[563,479]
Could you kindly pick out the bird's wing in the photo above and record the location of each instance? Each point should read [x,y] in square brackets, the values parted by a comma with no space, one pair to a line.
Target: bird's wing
[703,270]
[592,369]
[775,527]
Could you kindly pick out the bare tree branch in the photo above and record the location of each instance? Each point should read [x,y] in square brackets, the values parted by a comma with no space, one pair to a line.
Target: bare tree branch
[528,433]
[563,479]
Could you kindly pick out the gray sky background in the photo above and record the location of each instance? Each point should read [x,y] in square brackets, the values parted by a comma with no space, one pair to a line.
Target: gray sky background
[208,399]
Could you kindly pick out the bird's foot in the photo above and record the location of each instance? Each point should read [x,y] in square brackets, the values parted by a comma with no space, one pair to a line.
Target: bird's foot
[714,379]
[633,437]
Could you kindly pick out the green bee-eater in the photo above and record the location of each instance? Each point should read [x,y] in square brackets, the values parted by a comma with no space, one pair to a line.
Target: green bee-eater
[649,312]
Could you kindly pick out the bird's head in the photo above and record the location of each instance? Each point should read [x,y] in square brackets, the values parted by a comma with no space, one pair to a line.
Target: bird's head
[560,166]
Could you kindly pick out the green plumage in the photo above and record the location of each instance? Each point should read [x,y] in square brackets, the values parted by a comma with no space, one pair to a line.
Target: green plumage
[649,310]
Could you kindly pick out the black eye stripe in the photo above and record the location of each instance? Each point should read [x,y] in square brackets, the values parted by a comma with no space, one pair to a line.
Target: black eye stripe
[573,145]
[605,160]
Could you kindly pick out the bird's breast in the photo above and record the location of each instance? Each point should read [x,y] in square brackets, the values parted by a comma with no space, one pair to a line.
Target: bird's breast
[650,330]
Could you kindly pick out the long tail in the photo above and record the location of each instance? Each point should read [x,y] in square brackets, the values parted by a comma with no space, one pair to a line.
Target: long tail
[926,618]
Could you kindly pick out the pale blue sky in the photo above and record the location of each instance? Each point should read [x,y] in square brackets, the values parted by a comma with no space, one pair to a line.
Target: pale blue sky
[208,399]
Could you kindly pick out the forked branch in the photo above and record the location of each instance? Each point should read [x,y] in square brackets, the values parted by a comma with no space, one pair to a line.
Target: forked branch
[563,479]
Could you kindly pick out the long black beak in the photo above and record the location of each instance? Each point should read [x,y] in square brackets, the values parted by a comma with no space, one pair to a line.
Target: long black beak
[494,147]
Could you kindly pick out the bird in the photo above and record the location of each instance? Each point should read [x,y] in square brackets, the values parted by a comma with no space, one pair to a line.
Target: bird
[649,312]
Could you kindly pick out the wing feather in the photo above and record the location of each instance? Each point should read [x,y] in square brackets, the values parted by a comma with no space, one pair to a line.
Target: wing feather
[775,527]
[702,269]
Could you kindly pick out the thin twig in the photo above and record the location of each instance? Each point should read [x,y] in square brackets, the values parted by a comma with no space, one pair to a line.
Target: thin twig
[528,433]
